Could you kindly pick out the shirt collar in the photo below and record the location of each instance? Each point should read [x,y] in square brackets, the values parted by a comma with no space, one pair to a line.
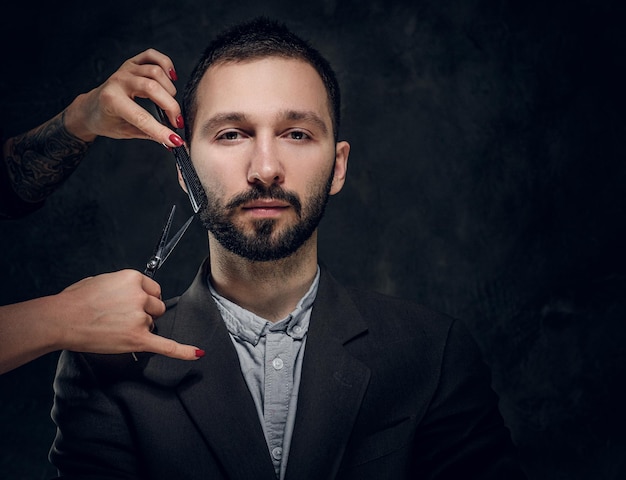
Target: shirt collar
[250,327]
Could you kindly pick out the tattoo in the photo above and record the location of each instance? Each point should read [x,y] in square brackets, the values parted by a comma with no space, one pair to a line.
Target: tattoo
[40,160]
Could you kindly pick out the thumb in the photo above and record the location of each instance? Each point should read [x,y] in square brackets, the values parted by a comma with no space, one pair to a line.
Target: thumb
[173,349]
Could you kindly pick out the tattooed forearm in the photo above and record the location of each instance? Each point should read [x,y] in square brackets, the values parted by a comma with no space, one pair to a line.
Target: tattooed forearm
[40,160]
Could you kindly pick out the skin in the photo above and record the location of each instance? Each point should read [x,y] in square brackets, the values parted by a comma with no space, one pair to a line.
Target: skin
[265,121]
[109,110]
[108,313]
[37,167]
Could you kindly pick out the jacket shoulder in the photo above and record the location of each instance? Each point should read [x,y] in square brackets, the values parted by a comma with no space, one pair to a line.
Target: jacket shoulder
[376,307]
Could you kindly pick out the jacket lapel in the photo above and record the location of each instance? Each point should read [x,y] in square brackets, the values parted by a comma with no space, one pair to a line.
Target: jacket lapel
[212,388]
[332,386]
[215,394]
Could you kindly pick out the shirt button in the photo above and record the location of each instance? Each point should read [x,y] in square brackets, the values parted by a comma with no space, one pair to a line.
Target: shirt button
[278,363]
[297,329]
[277,453]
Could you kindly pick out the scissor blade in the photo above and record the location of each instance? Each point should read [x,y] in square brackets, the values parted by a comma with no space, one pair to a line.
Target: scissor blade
[175,239]
[155,261]
[165,234]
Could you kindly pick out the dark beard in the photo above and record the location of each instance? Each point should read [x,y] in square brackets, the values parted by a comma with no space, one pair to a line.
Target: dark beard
[260,246]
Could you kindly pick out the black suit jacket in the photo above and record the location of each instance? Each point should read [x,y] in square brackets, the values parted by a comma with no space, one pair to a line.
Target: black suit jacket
[389,390]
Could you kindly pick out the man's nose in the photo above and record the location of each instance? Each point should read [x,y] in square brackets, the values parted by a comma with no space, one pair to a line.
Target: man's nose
[265,165]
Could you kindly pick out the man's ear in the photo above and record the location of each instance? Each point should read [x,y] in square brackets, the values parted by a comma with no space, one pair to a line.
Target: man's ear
[342,150]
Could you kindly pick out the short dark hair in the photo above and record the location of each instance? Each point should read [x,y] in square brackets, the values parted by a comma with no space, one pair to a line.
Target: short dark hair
[255,39]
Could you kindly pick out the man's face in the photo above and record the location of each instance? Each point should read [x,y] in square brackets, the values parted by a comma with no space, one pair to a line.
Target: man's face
[263,146]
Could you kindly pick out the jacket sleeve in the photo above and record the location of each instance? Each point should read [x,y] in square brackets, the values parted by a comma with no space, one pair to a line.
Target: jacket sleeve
[463,434]
[92,440]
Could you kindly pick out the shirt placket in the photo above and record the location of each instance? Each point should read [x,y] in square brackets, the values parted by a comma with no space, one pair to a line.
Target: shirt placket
[278,389]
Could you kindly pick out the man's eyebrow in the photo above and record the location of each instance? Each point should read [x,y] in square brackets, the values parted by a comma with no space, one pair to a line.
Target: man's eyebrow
[221,118]
[306,115]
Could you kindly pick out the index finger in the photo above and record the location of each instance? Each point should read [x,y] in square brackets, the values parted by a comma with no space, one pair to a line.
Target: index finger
[145,124]
[171,348]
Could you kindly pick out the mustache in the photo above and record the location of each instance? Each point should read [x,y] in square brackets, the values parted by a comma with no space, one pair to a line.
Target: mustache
[261,192]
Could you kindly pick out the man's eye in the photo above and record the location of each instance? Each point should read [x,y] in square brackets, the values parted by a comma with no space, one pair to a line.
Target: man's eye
[298,135]
[229,136]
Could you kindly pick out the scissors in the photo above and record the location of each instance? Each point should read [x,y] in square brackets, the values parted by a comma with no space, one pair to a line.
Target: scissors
[164,247]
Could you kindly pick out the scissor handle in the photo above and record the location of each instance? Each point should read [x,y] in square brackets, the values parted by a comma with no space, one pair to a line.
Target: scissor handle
[151,267]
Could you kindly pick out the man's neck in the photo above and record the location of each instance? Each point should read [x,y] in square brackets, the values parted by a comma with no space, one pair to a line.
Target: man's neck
[269,289]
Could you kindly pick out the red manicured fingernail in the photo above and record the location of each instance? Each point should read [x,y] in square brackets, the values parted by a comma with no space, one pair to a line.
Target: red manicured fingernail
[180,123]
[176,140]
[173,75]
[199,353]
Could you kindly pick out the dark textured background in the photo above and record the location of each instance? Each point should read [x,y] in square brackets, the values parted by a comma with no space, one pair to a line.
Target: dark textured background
[486,180]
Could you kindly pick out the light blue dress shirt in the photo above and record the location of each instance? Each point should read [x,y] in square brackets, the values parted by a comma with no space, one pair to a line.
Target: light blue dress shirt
[270,355]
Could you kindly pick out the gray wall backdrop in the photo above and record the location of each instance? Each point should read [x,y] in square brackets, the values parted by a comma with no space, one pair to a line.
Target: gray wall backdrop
[486,180]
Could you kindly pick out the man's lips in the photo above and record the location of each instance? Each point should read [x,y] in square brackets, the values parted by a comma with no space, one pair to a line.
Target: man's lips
[266,204]
[265,207]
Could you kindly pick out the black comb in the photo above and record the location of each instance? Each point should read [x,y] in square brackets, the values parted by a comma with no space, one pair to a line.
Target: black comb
[195,191]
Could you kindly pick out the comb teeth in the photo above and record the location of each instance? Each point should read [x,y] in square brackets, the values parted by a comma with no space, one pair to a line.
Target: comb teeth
[195,191]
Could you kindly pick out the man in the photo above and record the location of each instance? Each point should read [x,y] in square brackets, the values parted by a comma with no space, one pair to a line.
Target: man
[302,378]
